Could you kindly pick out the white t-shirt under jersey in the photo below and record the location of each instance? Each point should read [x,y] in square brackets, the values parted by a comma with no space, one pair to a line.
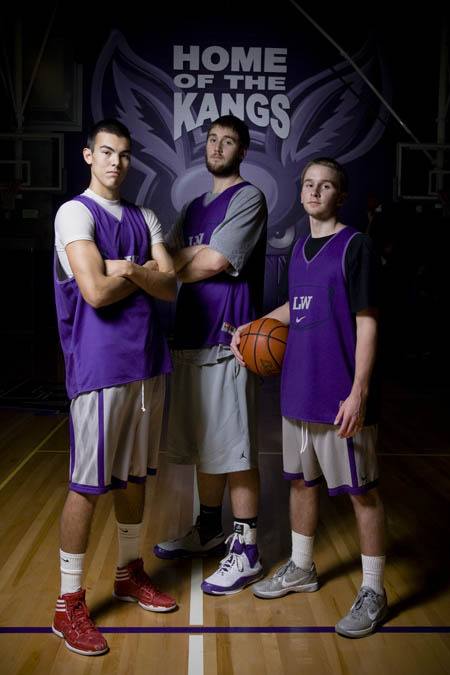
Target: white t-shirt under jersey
[74,222]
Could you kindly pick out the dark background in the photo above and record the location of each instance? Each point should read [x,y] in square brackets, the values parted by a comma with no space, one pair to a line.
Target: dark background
[411,236]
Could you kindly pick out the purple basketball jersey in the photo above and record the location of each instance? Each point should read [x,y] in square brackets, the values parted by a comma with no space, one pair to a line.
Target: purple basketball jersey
[319,364]
[121,342]
[208,311]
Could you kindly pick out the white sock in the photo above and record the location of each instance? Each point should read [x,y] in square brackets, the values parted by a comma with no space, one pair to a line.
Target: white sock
[373,572]
[71,566]
[302,550]
[129,536]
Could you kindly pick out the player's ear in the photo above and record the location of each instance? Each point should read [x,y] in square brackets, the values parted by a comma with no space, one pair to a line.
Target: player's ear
[87,154]
[242,153]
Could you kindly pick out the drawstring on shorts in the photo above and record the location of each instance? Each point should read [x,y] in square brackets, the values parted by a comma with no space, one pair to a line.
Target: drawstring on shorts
[304,426]
[142,397]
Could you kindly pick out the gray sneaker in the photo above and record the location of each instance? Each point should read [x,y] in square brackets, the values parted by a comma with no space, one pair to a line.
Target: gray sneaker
[366,613]
[287,579]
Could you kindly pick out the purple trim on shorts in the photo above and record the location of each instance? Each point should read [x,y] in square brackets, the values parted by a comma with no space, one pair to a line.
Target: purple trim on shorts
[300,476]
[151,472]
[292,476]
[71,446]
[352,461]
[347,489]
[88,489]
[117,483]
[316,481]
[101,442]
[137,479]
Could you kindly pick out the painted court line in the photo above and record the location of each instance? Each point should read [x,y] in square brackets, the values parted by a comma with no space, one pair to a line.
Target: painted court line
[33,452]
[195,651]
[196,599]
[195,658]
[198,631]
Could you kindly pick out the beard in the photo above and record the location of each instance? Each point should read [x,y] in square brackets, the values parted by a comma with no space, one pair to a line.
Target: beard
[224,170]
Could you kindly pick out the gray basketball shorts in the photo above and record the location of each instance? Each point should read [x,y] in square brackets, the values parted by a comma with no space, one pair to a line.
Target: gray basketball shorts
[212,415]
[112,439]
[314,452]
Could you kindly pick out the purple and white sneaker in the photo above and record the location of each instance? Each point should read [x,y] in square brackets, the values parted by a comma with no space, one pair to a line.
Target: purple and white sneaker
[190,545]
[240,567]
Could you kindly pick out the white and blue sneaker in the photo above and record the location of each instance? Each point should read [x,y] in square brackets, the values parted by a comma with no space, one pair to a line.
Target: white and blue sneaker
[240,567]
[191,546]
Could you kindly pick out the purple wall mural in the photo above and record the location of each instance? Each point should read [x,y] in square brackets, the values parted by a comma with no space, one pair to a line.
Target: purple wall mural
[295,110]
[168,109]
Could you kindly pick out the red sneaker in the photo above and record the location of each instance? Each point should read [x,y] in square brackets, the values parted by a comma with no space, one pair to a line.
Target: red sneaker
[133,585]
[72,622]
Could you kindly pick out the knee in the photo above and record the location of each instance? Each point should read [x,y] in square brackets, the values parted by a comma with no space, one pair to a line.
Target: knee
[368,500]
[82,496]
[299,488]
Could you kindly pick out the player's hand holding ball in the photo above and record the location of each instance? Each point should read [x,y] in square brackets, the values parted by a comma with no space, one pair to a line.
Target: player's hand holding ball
[260,345]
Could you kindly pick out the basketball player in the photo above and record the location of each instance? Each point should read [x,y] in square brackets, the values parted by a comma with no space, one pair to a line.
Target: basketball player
[110,260]
[328,413]
[219,249]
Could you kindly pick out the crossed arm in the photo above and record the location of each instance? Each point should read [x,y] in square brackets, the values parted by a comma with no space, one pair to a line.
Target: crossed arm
[195,263]
[103,283]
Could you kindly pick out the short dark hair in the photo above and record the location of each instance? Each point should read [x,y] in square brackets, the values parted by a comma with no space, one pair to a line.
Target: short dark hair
[332,164]
[232,122]
[111,126]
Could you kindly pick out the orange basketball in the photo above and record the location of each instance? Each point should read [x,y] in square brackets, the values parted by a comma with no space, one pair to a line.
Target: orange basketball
[262,346]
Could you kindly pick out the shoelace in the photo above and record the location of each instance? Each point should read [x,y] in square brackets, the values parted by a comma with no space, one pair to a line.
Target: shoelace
[141,578]
[80,617]
[231,559]
[362,595]
[282,571]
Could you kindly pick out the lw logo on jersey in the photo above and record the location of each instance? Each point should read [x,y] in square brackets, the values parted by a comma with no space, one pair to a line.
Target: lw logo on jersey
[301,302]
[195,239]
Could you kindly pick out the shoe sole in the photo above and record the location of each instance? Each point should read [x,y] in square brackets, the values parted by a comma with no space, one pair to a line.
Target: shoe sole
[268,595]
[365,631]
[78,651]
[150,608]
[235,590]
[181,554]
